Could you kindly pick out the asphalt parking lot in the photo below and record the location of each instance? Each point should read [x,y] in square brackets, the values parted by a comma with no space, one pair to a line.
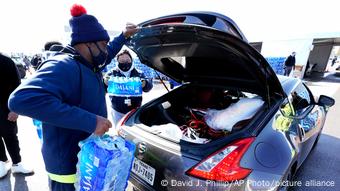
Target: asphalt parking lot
[321,168]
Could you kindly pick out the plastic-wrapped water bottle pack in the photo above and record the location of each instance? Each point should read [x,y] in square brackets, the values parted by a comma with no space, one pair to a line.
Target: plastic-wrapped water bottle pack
[277,64]
[123,86]
[104,163]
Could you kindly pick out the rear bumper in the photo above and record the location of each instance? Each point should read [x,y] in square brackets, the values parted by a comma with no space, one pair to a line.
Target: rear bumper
[138,184]
[255,181]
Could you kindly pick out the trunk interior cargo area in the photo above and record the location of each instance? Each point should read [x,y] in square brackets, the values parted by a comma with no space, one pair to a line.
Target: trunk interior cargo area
[199,114]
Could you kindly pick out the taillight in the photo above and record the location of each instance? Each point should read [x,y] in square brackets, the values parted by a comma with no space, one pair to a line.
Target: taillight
[126,117]
[224,165]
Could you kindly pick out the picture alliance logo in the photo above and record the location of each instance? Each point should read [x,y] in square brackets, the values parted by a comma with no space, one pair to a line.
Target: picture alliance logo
[296,183]
[273,183]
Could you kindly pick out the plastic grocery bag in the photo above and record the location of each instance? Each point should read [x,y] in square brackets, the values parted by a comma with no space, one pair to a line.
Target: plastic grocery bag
[225,119]
[104,163]
[167,130]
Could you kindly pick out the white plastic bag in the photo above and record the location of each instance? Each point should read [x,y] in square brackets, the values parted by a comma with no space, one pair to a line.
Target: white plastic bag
[167,130]
[225,119]
[174,132]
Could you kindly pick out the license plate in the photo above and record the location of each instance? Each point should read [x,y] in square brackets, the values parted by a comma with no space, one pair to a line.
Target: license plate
[144,171]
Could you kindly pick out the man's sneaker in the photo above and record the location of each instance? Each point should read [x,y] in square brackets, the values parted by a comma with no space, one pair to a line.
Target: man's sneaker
[20,168]
[3,169]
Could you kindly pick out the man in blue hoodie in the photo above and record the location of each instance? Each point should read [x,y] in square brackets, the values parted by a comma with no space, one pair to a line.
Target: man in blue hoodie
[67,94]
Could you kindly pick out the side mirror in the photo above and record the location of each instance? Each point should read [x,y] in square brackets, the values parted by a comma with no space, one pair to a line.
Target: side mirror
[326,101]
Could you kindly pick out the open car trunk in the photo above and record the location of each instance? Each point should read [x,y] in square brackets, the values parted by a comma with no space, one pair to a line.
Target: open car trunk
[199,114]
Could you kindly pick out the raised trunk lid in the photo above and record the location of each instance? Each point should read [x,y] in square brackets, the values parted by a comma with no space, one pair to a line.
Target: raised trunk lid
[199,53]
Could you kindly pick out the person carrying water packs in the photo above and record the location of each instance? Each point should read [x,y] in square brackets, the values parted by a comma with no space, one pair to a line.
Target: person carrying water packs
[67,94]
[123,87]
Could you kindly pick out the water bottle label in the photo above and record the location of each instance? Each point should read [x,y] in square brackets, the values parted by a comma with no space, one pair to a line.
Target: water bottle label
[122,86]
[88,176]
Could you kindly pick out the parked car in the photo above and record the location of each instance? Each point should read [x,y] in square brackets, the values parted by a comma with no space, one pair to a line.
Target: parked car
[233,124]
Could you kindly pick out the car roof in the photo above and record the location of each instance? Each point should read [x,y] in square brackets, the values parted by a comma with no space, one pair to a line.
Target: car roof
[209,19]
[288,83]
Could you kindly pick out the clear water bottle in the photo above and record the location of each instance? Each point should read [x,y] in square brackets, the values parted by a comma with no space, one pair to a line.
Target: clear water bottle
[126,80]
[123,172]
[120,79]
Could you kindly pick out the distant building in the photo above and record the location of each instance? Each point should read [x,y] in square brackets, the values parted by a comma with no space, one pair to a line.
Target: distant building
[318,49]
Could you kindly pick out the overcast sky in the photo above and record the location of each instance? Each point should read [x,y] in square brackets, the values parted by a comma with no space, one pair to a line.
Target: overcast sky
[26,25]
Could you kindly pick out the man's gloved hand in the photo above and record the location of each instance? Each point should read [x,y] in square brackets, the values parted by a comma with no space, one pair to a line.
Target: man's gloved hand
[103,125]
[130,29]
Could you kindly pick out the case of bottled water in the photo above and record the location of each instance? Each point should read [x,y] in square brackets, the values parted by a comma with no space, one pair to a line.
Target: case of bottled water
[104,163]
[123,86]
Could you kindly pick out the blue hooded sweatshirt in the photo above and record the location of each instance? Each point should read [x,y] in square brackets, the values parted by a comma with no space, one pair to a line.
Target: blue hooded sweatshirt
[66,95]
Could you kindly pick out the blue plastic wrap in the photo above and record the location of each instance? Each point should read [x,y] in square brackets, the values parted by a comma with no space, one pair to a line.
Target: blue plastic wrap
[38,125]
[104,163]
[277,63]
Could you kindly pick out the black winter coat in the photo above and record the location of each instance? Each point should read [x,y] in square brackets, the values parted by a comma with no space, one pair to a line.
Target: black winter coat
[9,80]
[290,61]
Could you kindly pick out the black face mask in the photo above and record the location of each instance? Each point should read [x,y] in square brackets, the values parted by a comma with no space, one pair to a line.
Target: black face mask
[99,60]
[125,66]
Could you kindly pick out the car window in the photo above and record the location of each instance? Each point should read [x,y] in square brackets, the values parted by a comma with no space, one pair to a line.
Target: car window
[301,98]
